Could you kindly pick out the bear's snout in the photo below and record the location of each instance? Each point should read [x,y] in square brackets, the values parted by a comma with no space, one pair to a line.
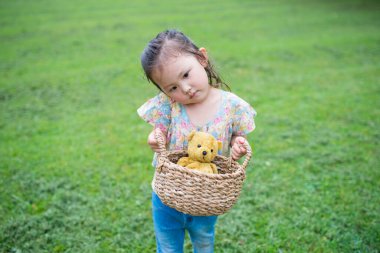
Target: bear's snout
[204,152]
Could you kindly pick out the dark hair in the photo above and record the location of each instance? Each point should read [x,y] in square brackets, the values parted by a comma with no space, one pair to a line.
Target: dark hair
[168,43]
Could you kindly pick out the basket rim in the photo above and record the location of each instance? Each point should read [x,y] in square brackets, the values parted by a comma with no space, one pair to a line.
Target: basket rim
[162,152]
[164,160]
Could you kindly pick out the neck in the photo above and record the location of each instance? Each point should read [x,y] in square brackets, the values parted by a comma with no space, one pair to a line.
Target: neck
[203,112]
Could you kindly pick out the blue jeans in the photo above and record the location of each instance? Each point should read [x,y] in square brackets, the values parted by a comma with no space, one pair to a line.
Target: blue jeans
[170,226]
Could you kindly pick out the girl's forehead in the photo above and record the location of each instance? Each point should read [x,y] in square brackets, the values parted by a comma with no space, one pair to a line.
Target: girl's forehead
[164,65]
[172,57]
[173,63]
[167,71]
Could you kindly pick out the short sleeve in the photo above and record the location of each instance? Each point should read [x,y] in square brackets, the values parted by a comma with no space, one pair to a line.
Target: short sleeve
[157,112]
[243,122]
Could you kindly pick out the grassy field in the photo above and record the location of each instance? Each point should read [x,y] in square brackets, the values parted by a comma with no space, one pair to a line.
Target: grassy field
[75,168]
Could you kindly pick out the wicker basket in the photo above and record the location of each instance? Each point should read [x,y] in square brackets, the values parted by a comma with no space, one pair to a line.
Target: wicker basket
[197,193]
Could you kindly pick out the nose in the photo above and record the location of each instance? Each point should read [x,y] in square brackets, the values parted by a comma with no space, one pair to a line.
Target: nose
[204,152]
[185,87]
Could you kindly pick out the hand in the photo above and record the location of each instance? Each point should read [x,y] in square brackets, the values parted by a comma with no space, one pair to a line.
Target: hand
[152,141]
[238,148]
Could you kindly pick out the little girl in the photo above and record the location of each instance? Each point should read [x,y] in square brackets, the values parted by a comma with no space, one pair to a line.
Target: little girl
[190,98]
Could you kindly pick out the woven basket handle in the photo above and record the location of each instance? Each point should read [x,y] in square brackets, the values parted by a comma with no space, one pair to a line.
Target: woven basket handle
[248,155]
[162,149]
[160,140]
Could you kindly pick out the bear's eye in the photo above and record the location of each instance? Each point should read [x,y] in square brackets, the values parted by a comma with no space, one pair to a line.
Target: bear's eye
[212,150]
[199,145]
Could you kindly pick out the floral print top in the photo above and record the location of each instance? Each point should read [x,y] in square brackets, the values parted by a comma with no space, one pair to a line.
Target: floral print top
[234,117]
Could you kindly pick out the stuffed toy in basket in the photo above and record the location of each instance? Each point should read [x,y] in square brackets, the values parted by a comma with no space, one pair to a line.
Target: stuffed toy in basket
[194,192]
[201,151]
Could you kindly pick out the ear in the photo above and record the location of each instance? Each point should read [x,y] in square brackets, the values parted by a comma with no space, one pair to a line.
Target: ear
[203,60]
[191,135]
[220,145]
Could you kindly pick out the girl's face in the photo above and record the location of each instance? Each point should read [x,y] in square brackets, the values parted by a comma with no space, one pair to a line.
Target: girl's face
[183,78]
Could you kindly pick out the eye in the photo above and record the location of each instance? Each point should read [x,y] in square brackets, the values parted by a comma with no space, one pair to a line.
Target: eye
[199,145]
[172,88]
[212,150]
[186,75]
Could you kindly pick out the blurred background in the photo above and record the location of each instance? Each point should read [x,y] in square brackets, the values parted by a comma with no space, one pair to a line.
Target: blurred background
[75,169]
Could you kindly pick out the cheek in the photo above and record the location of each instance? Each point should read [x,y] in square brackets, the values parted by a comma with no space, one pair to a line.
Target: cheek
[205,77]
[201,81]
[201,76]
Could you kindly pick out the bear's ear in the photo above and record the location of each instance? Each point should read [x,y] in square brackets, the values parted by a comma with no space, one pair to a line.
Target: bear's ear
[191,135]
[220,144]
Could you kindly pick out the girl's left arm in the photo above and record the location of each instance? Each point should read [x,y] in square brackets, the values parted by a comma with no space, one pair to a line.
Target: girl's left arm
[238,149]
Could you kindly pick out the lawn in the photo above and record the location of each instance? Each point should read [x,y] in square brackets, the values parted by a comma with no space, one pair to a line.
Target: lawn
[75,169]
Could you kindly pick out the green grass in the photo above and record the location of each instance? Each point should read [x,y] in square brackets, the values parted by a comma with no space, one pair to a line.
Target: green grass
[75,168]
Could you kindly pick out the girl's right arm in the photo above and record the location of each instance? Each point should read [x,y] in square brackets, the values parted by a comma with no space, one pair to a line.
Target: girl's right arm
[152,141]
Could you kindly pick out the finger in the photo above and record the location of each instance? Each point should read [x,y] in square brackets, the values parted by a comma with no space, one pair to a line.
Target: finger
[240,153]
[155,147]
[152,141]
[235,150]
[235,155]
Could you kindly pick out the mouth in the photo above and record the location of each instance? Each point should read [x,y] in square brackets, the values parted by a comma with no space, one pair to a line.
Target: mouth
[193,94]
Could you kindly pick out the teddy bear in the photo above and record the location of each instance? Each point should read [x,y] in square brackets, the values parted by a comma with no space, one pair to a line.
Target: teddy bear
[202,149]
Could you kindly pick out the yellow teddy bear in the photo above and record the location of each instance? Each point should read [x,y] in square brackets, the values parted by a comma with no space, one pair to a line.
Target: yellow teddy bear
[202,149]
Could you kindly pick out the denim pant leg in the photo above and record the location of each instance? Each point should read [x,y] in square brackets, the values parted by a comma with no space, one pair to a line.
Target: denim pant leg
[202,233]
[168,227]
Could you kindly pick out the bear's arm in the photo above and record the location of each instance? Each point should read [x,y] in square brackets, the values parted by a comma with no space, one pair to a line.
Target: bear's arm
[184,161]
[194,165]
[214,168]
